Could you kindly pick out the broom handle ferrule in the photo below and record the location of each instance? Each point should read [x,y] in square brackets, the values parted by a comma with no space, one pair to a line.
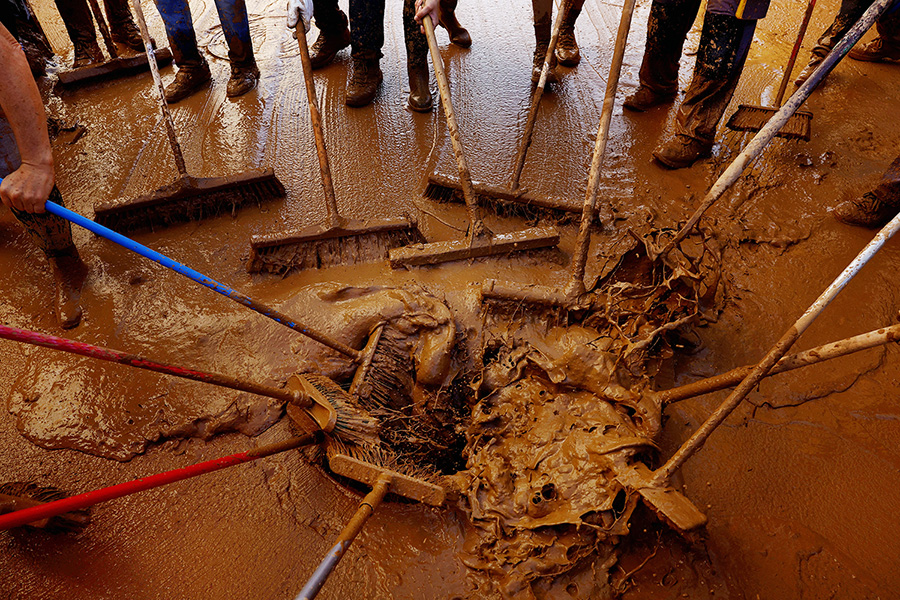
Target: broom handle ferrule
[790,65]
[160,92]
[579,260]
[316,119]
[203,280]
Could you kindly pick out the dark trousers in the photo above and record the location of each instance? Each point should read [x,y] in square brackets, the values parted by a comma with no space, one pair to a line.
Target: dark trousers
[724,45]
[176,15]
[367,28]
[888,25]
[76,16]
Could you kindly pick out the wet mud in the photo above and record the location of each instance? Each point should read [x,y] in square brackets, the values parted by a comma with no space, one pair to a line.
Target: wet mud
[797,484]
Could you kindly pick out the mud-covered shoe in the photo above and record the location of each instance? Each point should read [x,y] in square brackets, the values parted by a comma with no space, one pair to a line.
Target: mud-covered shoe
[242,80]
[128,35]
[86,54]
[682,151]
[188,80]
[459,35]
[364,80]
[567,52]
[878,50]
[869,210]
[814,61]
[644,99]
[419,92]
[540,52]
[326,47]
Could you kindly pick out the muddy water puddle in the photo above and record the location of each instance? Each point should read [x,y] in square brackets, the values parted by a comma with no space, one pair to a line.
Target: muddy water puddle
[787,483]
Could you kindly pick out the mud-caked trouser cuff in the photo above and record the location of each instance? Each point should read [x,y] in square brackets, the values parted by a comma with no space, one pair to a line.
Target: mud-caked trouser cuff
[667,28]
[416,43]
[366,28]
[236,27]
[49,232]
[176,16]
[76,17]
[330,19]
[724,44]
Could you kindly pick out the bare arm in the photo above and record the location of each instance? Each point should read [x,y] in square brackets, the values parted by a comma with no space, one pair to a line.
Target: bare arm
[29,186]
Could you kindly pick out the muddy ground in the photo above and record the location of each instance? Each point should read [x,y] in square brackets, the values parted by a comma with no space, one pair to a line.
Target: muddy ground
[799,484]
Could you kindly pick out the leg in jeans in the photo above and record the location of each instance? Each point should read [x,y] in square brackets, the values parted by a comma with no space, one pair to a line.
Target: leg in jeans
[176,16]
[236,27]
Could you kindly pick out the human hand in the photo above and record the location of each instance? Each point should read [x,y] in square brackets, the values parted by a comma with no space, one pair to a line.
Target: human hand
[28,187]
[297,10]
[427,7]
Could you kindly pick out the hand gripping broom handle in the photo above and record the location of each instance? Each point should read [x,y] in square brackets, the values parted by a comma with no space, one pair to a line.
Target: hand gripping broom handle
[159,91]
[58,507]
[212,284]
[57,343]
[334,216]
[579,256]
[790,65]
[696,441]
[784,114]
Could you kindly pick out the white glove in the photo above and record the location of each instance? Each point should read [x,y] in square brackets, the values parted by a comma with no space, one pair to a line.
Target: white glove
[297,10]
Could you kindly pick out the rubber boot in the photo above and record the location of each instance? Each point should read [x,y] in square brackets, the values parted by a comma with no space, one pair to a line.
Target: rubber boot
[365,77]
[419,91]
[69,274]
[542,42]
[447,19]
[567,52]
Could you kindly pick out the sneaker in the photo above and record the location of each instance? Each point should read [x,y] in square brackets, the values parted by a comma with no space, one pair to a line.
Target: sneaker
[540,52]
[327,46]
[682,151]
[814,62]
[242,80]
[187,80]
[870,210]
[419,93]
[364,81]
[878,50]
[644,99]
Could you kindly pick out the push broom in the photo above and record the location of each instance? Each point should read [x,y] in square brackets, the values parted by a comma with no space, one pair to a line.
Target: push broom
[479,241]
[572,295]
[338,240]
[187,198]
[442,188]
[752,118]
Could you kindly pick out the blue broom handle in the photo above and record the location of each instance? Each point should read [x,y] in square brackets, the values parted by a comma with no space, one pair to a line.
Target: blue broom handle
[212,284]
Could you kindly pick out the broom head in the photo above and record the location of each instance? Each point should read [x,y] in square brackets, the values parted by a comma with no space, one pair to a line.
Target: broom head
[334,410]
[20,495]
[402,485]
[115,67]
[477,247]
[669,504]
[320,246]
[190,199]
[753,118]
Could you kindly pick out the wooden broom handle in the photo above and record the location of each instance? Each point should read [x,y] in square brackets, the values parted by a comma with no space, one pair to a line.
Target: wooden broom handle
[790,65]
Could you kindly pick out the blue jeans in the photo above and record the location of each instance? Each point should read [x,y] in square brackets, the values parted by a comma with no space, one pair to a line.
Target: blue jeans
[176,15]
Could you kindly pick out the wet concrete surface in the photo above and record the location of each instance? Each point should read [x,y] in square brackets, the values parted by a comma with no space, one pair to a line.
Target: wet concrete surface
[799,484]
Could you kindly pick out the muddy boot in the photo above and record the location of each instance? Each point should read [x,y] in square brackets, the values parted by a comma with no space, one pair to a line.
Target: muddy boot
[682,151]
[871,210]
[87,53]
[326,47]
[242,80]
[363,82]
[542,42]
[567,52]
[810,68]
[878,50]
[645,98]
[419,91]
[129,36]
[188,79]
[458,34]
[69,273]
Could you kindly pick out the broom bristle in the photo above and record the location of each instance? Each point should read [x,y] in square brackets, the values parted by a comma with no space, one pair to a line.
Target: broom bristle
[189,199]
[73,521]
[356,248]
[440,193]
[754,118]
[353,423]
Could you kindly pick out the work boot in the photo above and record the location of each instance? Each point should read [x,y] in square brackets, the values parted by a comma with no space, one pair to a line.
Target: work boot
[188,79]
[326,47]
[242,80]
[645,98]
[419,91]
[69,273]
[878,50]
[364,80]
[567,52]
[447,19]
[128,35]
[682,151]
[871,210]
[87,53]
[814,61]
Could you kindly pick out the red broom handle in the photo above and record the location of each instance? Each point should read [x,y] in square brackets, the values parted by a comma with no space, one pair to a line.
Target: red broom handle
[57,343]
[58,507]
